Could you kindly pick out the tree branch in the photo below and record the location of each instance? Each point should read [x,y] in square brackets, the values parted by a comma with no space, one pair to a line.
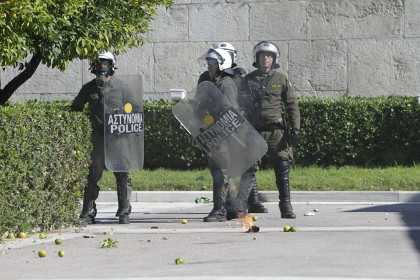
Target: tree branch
[21,78]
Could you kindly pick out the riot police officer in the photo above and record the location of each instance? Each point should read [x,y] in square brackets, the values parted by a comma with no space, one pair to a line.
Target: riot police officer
[92,93]
[219,66]
[237,71]
[254,206]
[267,97]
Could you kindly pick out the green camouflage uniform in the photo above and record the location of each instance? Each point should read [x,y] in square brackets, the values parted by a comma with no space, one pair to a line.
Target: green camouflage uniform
[264,107]
[263,97]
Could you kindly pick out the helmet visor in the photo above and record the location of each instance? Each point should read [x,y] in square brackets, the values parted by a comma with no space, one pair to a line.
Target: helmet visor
[102,65]
[210,57]
[212,61]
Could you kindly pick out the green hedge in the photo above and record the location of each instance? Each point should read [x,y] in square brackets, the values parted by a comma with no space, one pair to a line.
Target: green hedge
[167,144]
[44,149]
[43,163]
[359,131]
[347,131]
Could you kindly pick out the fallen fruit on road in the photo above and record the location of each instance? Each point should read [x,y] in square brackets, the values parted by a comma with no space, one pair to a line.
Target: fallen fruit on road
[184,222]
[293,229]
[254,218]
[61,253]
[179,261]
[286,229]
[42,254]
[21,235]
[11,235]
[42,236]
[58,241]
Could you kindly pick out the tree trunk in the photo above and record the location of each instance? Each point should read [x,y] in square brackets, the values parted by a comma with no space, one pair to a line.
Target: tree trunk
[20,79]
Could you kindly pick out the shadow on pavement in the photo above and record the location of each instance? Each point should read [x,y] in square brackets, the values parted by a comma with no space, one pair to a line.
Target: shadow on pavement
[111,221]
[410,213]
[178,213]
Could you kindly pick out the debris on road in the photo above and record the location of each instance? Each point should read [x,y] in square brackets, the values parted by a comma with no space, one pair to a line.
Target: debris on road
[203,200]
[109,243]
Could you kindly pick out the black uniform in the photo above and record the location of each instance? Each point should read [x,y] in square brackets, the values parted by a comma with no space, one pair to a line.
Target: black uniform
[90,93]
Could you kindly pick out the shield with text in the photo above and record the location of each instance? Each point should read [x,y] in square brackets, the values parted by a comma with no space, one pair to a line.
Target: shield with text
[123,121]
[219,129]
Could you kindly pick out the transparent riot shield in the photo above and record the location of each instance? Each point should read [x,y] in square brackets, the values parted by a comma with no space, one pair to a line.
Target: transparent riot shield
[123,121]
[226,136]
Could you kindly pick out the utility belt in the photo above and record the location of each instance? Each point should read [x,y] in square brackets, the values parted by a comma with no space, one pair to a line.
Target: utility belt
[271,126]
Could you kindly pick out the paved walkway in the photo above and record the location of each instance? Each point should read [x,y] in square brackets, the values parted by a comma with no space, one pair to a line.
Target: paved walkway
[334,240]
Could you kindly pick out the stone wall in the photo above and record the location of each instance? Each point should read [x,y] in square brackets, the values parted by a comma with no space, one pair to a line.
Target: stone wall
[328,48]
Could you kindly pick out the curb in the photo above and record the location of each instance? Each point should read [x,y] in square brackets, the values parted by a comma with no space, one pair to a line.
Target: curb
[272,196]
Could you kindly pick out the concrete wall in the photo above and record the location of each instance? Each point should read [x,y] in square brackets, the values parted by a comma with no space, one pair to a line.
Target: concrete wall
[329,48]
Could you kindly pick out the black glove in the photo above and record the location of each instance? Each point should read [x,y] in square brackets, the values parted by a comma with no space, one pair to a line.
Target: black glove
[294,137]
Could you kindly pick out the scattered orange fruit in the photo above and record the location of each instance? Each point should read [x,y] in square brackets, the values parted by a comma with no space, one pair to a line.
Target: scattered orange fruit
[42,254]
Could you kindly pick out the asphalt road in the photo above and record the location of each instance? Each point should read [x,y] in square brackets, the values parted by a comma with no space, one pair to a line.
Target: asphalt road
[342,240]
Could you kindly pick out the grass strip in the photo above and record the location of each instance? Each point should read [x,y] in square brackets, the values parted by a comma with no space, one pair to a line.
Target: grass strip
[313,178]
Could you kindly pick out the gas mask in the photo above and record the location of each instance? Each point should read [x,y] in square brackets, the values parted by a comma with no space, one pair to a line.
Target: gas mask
[102,69]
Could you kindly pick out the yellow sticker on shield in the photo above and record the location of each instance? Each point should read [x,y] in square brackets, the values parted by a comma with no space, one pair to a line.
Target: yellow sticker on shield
[208,120]
[128,108]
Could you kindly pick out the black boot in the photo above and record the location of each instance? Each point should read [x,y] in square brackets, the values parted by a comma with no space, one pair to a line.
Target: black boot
[124,219]
[238,205]
[249,182]
[218,214]
[124,194]
[90,194]
[254,206]
[281,170]
[88,212]
[235,207]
